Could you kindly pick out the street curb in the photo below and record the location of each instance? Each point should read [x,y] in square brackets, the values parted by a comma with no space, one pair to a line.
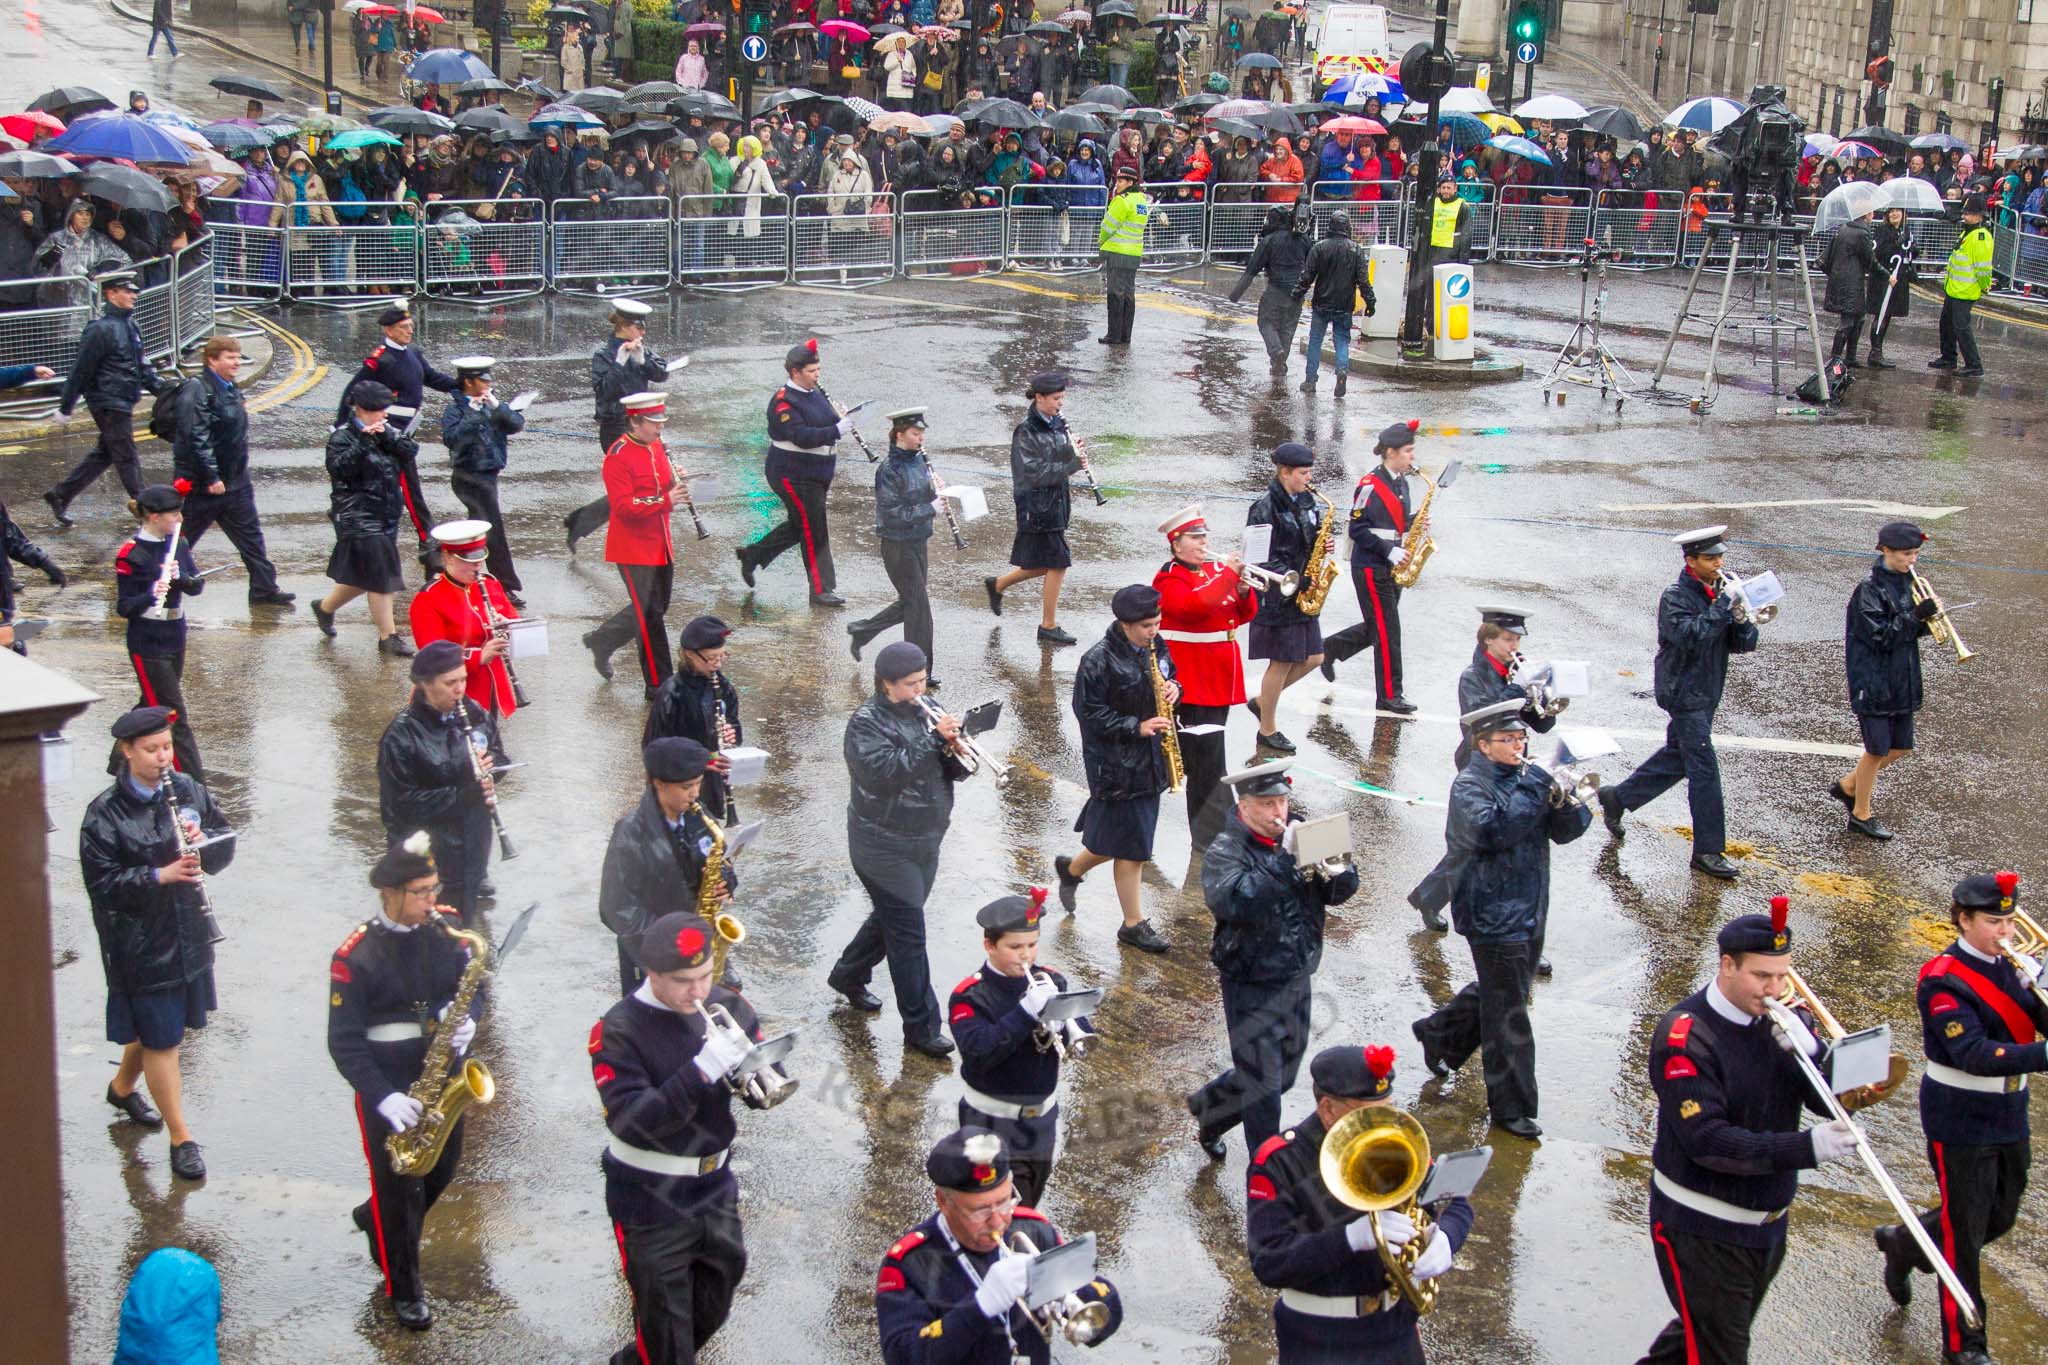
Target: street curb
[257,354]
[349,93]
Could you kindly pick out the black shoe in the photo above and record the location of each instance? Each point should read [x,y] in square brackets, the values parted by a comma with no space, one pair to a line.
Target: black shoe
[746,564]
[1611,812]
[1341,381]
[1714,865]
[860,997]
[1328,668]
[1055,636]
[931,684]
[324,619]
[1941,364]
[1899,1263]
[57,510]
[1432,1060]
[1106,341]
[860,642]
[135,1107]
[827,598]
[1526,1129]
[1251,704]
[1143,937]
[995,597]
[1432,919]
[186,1162]
[599,656]
[1400,706]
[1848,801]
[1543,968]
[1852,363]
[518,602]
[570,536]
[1069,883]
[1209,1139]
[1869,829]
[397,646]
[361,1216]
[413,1313]
[730,979]
[937,1046]
[286,600]
[1277,742]
[1969,371]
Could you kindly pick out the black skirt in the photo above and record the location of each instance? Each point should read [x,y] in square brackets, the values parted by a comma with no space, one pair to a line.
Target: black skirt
[159,1019]
[1041,550]
[1119,829]
[1288,642]
[367,562]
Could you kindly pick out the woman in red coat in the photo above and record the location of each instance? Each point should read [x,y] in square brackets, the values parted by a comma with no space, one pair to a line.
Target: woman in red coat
[460,605]
[641,486]
[1201,605]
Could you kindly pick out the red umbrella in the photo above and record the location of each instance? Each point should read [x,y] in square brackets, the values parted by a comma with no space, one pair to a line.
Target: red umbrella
[844,28]
[420,13]
[1353,123]
[24,126]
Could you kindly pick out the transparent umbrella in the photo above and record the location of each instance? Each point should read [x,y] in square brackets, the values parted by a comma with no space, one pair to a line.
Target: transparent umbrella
[1912,194]
[1851,199]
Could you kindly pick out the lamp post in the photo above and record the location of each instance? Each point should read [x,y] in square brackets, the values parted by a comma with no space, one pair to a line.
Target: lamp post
[1429,163]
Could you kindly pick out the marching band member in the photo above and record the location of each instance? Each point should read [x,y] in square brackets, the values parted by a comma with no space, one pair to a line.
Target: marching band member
[428,775]
[641,486]
[904,510]
[700,702]
[475,429]
[949,1289]
[1267,944]
[654,863]
[1009,1067]
[1336,1305]
[1729,1148]
[660,1069]
[1282,632]
[1981,1018]
[1505,814]
[1122,748]
[149,909]
[153,605]
[1489,678]
[1381,506]
[453,607]
[902,766]
[365,459]
[803,428]
[1202,602]
[621,365]
[16,545]
[1696,632]
[1881,650]
[1043,461]
[389,988]
[405,370]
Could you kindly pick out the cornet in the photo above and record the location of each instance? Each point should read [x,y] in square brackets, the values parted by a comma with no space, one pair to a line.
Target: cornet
[969,752]
[1546,702]
[1264,579]
[764,1088]
[1738,603]
[1069,1039]
[1571,787]
[1078,1322]
[1940,628]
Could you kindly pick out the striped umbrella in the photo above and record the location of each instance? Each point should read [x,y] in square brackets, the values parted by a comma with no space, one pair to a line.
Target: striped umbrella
[1709,114]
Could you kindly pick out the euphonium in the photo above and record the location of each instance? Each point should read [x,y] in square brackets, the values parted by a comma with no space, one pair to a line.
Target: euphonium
[1419,543]
[1939,627]
[1322,571]
[1375,1160]
[443,1099]
[1169,738]
[1078,1322]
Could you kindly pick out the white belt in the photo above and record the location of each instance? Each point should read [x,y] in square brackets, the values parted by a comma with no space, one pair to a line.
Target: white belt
[1198,637]
[394,1033]
[1003,1109]
[801,450]
[1331,1305]
[1963,1080]
[1712,1207]
[1384,535]
[164,614]
[667,1163]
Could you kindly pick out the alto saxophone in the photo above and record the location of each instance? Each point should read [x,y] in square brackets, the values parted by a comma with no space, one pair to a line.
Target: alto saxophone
[1320,574]
[1419,544]
[726,929]
[1169,738]
[443,1099]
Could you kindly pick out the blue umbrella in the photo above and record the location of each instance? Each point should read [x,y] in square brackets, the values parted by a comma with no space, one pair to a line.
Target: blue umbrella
[1352,88]
[448,66]
[1709,114]
[1519,146]
[1466,130]
[120,135]
[556,114]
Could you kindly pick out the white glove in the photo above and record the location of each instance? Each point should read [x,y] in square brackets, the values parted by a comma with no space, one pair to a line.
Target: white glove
[1435,1258]
[1396,1228]
[1793,1035]
[2029,969]
[1003,1285]
[465,1033]
[1397,556]
[401,1111]
[1834,1141]
[722,1048]
[1036,995]
[846,426]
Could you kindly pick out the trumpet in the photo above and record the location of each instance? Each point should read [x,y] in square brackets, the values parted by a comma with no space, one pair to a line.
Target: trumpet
[1545,702]
[1069,1317]
[1264,579]
[1070,1039]
[1738,603]
[964,746]
[1939,626]
[1571,787]
[2025,949]
[763,1088]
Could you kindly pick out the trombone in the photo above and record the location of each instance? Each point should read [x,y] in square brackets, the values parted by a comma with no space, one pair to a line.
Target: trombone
[1078,1322]
[1939,627]
[1374,1160]
[1739,603]
[969,752]
[1264,579]
[1070,1039]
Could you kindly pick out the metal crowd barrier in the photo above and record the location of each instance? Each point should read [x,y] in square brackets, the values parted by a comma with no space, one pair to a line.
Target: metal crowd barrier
[1542,225]
[945,238]
[173,311]
[1176,234]
[248,258]
[740,242]
[620,246]
[156,310]
[192,303]
[842,241]
[1380,217]
[1640,228]
[353,263]
[483,250]
[2019,255]
[1235,216]
[1052,231]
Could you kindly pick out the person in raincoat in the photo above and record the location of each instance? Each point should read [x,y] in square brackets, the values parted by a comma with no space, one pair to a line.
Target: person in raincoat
[76,249]
[171,1313]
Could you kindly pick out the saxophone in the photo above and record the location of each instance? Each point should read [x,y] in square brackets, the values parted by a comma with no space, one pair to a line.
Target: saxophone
[444,1098]
[1419,543]
[1169,738]
[727,931]
[1321,572]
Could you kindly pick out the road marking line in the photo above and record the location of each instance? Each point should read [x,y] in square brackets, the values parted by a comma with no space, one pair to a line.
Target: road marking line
[1871,506]
[1156,302]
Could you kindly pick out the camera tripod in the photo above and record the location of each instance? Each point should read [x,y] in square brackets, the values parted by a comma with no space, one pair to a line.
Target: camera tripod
[1585,358]
[1764,324]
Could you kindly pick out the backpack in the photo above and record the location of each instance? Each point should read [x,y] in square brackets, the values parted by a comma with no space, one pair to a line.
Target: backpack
[1839,380]
[163,412]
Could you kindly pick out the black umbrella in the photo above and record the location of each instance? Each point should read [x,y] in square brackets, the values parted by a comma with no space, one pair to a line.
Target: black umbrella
[1109,94]
[404,121]
[1154,118]
[1003,114]
[967,109]
[799,27]
[1069,121]
[1047,26]
[704,104]
[126,186]
[482,85]
[67,102]
[648,127]
[568,14]
[649,95]
[1195,104]
[1610,120]
[1114,9]
[1108,111]
[1236,127]
[1884,139]
[1162,20]
[233,138]
[1949,142]
[254,87]
[521,136]
[35,166]
[489,118]
[1277,120]
[1258,61]
[597,99]
[529,86]
[796,94]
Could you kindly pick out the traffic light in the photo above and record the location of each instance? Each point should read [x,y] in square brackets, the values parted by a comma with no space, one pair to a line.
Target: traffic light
[1879,72]
[1527,29]
[757,16]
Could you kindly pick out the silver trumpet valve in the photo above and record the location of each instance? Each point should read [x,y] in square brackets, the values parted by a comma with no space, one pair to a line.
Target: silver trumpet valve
[763,1088]
[1069,1039]
[1568,786]
[969,751]
[1738,603]
[1078,1321]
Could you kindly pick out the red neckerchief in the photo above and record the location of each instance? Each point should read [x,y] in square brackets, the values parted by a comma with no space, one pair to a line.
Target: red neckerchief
[1258,838]
[1705,586]
[1498,667]
[2017,1021]
[1395,511]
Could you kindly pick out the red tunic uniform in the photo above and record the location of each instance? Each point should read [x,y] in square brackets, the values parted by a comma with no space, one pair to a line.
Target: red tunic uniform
[444,610]
[1200,610]
[639,531]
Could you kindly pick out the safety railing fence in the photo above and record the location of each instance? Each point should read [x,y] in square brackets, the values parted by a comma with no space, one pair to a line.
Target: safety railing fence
[943,235]
[1542,224]
[483,250]
[1177,227]
[351,262]
[617,246]
[248,253]
[843,240]
[1639,229]
[1235,215]
[156,308]
[1485,221]
[1052,230]
[193,302]
[1378,209]
[2019,255]
[732,243]
[40,319]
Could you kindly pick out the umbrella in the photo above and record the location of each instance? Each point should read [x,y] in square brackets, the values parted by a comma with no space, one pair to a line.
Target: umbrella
[650,95]
[119,135]
[69,101]
[1519,146]
[1236,127]
[1148,118]
[508,137]
[1911,193]
[1501,123]
[171,118]
[1613,121]
[405,120]
[1940,142]
[704,104]
[568,14]
[1352,123]
[1114,9]
[1241,108]
[529,86]
[363,137]
[255,87]
[704,29]
[1820,144]
[1464,99]
[1051,28]
[1709,114]
[596,99]
[358,6]
[26,125]
[1162,20]
[941,124]
[35,166]
[799,27]
[796,94]
[1003,114]
[489,118]
[1079,18]
[482,85]
[878,31]
[555,115]
[844,28]
[648,127]
[867,111]
[1466,130]
[1197,103]
[1852,199]
[1258,61]
[1846,150]
[901,121]
[1884,139]
[126,186]
[1551,107]
[420,13]
[447,66]
[1068,121]
[1102,111]
[233,137]
[1108,94]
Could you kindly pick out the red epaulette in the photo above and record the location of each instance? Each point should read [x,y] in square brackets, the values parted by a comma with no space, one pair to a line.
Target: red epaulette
[1941,1002]
[603,1074]
[907,1243]
[596,1037]
[1026,1211]
[338,970]
[121,556]
[1937,967]
[348,945]
[967,982]
[1681,1029]
[1267,1148]
[370,361]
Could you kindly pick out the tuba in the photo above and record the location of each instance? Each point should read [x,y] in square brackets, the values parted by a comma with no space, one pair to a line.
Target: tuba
[1169,739]
[443,1098]
[1419,543]
[1374,1160]
[1321,572]
[1939,627]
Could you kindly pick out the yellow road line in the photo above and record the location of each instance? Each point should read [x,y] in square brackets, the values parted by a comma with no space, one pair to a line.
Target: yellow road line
[1152,301]
[1995,313]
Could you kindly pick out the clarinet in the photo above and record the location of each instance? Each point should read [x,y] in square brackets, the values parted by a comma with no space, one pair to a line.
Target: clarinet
[945,504]
[1081,449]
[499,630]
[170,795]
[718,730]
[858,439]
[480,764]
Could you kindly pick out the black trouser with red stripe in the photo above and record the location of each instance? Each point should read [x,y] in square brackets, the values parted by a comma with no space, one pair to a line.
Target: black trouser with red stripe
[592,516]
[1379,599]
[1717,1289]
[422,519]
[803,500]
[1981,1189]
[399,1203]
[682,1275]
[157,678]
[642,622]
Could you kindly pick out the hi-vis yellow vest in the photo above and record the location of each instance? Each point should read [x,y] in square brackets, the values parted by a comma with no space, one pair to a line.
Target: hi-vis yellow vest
[1443,221]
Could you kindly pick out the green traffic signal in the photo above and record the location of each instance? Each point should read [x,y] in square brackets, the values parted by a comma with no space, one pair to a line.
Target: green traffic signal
[1528,26]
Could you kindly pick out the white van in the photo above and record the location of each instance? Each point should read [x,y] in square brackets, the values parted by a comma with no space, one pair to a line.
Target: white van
[1353,38]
